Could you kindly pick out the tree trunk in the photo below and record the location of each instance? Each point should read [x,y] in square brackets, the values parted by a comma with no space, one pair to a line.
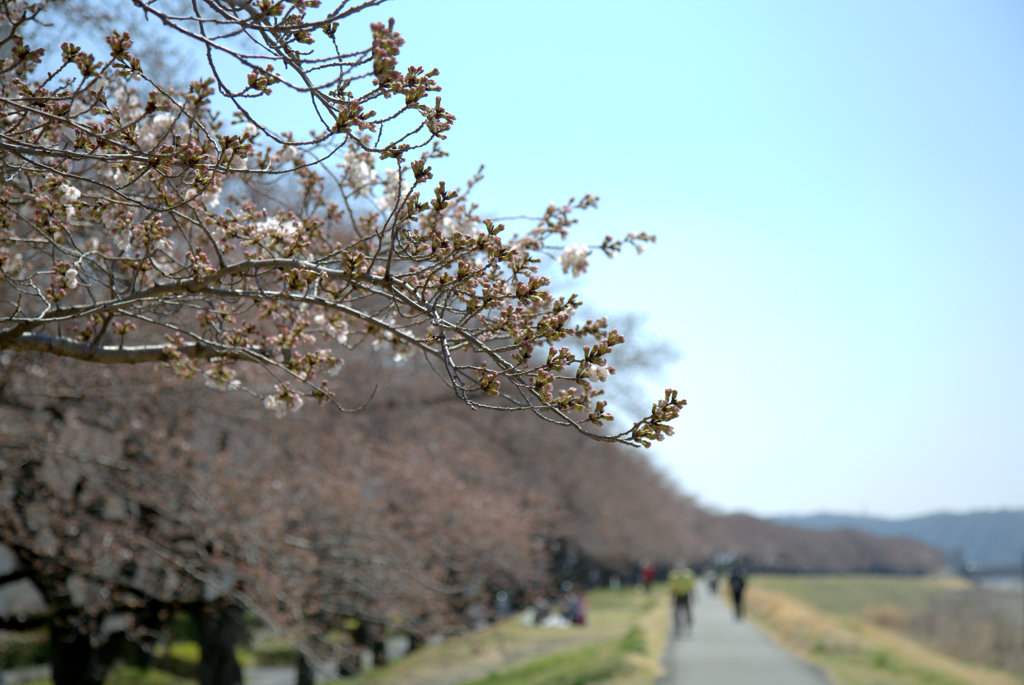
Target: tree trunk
[75,660]
[220,629]
[371,635]
[305,671]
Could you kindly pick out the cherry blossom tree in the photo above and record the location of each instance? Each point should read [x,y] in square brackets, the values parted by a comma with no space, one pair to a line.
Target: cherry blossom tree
[129,503]
[139,225]
[101,509]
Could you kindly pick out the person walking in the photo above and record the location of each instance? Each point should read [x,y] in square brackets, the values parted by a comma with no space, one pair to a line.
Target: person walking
[647,574]
[737,583]
[681,582]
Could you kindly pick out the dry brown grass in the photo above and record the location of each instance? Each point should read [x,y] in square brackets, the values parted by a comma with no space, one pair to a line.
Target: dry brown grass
[974,624]
[887,616]
[865,650]
[648,666]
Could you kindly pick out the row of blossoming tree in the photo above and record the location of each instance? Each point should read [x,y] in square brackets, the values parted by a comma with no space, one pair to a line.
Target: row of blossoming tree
[130,504]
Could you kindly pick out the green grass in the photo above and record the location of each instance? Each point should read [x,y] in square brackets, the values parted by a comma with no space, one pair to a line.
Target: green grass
[847,595]
[269,650]
[634,642]
[23,648]
[185,651]
[593,664]
[133,675]
[620,644]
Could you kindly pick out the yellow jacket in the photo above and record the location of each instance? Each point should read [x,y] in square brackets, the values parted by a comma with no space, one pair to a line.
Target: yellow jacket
[681,581]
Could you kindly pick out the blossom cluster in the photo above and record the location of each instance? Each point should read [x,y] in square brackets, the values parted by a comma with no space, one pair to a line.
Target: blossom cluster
[138,225]
[574,258]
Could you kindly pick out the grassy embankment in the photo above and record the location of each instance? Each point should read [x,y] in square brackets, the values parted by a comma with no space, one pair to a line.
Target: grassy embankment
[867,630]
[622,644]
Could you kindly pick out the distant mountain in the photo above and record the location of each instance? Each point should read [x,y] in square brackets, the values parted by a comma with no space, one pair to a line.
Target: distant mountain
[987,539]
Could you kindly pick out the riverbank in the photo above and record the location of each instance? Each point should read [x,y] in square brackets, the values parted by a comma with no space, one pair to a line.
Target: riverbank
[899,630]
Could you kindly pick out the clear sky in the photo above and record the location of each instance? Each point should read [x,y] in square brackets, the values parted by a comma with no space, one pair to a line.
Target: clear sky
[838,194]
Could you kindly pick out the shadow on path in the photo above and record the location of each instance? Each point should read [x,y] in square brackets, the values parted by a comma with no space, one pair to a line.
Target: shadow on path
[258,675]
[723,651]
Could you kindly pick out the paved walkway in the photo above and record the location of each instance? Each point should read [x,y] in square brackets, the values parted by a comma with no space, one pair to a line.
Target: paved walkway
[723,651]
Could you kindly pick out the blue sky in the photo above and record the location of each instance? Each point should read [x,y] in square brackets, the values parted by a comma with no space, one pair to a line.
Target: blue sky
[838,193]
